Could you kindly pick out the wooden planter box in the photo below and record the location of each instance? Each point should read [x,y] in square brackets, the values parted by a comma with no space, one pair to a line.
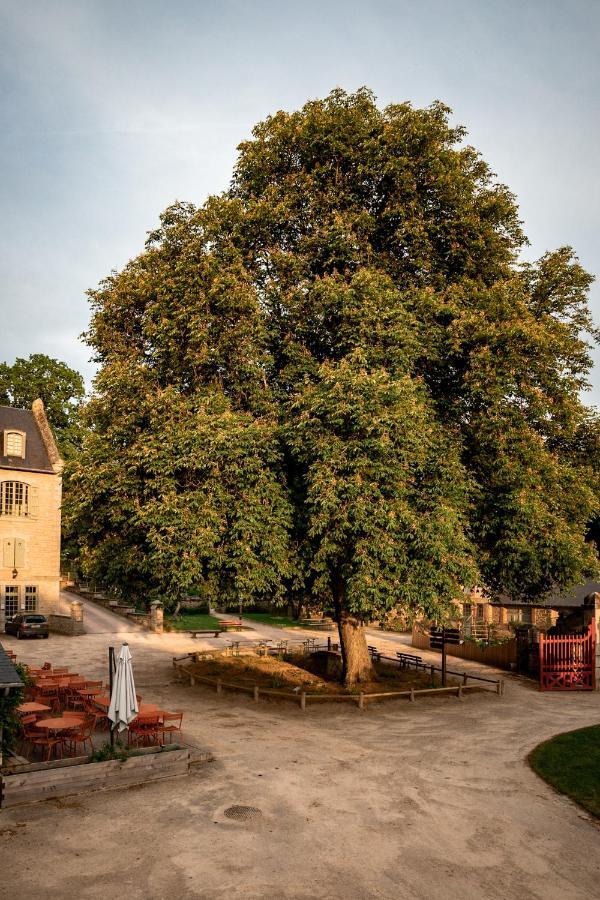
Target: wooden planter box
[61,778]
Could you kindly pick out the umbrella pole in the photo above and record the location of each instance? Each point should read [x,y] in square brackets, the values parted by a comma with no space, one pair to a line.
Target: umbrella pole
[111,666]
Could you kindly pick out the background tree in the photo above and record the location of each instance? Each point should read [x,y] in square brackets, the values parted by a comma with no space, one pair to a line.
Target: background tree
[60,387]
[411,391]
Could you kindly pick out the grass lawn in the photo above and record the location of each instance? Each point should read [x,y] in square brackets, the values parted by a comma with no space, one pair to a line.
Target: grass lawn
[277,621]
[192,622]
[571,763]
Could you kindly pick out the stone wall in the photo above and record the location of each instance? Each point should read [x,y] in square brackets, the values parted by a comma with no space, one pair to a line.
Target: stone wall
[65,625]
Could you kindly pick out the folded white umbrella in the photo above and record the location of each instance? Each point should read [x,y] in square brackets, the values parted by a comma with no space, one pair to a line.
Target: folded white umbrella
[123,702]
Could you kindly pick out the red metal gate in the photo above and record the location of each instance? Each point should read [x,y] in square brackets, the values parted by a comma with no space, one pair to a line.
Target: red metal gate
[567,662]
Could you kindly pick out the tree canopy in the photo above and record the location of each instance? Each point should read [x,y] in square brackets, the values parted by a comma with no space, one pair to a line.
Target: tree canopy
[60,387]
[338,377]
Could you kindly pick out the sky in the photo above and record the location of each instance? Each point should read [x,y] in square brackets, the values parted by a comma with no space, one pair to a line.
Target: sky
[111,111]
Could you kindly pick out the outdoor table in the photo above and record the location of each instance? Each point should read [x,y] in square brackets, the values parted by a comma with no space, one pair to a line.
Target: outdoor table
[31,707]
[90,692]
[58,723]
[148,709]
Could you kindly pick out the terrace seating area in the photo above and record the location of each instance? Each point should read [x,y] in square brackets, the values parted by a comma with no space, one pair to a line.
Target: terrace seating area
[65,714]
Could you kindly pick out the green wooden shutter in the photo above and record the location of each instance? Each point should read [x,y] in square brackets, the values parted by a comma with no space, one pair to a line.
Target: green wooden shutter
[8,553]
[19,553]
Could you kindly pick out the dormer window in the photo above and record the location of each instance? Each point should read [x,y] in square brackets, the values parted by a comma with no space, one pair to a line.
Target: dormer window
[14,444]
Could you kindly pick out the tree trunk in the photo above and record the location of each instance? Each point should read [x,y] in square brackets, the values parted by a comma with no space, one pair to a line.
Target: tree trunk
[357,665]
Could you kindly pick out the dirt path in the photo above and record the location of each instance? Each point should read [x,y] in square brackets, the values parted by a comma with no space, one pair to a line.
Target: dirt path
[432,800]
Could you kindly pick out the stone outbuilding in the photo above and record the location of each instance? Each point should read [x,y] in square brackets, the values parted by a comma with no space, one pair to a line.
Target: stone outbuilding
[30,513]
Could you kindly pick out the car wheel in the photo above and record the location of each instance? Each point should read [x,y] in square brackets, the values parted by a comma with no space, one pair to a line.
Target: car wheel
[19,635]
[45,636]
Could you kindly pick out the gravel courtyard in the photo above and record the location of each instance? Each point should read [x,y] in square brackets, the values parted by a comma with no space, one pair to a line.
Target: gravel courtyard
[427,800]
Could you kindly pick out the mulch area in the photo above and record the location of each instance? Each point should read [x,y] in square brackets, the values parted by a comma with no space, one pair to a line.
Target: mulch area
[304,672]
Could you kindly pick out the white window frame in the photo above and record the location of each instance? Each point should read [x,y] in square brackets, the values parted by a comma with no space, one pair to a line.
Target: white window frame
[18,499]
[8,434]
[32,590]
[13,590]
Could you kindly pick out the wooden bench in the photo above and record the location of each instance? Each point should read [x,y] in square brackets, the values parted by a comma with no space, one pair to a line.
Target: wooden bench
[234,626]
[409,659]
[374,653]
[215,631]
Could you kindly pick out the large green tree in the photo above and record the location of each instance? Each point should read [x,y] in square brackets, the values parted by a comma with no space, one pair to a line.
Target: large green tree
[60,387]
[338,377]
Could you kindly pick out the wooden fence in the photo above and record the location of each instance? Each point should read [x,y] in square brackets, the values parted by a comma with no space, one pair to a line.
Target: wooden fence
[302,698]
[503,655]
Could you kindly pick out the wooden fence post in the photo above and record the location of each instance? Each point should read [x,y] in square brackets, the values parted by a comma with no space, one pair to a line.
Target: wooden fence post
[361,700]
[412,695]
[303,700]
[218,686]
[256,693]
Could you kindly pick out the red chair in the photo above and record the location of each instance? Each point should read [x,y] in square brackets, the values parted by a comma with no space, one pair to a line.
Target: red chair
[28,730]
[82,736]
[144,730]
[51,743]
[175,718]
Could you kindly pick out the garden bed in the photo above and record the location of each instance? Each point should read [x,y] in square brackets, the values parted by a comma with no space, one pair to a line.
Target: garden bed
[33,782]
[312,677]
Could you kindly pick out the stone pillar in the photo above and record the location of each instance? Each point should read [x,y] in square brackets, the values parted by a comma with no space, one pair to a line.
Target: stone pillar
[156,616]
[76,610]
[594,602]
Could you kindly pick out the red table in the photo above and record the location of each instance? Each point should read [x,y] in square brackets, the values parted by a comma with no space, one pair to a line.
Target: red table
[31,707]
[58,723]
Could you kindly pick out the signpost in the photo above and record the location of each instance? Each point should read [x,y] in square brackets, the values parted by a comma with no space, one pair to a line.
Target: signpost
[439,640]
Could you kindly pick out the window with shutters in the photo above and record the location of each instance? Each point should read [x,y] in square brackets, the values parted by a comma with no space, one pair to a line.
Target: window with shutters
[13,553]
[30,598]
[18,499]
[11,601]
[14,443]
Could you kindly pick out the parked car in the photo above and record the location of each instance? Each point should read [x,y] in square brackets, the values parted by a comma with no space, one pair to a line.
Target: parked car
[27,626]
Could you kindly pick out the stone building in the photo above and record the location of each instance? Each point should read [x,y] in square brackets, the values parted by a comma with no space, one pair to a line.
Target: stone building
[30,508]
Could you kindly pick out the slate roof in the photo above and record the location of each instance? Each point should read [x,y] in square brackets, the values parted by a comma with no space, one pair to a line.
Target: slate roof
[9,677]
[36,454]
[557,599]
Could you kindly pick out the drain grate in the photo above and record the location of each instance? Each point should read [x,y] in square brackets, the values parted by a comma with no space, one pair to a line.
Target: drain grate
[242,813]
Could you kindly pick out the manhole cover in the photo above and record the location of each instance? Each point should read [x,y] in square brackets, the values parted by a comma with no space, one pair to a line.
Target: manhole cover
[242,813]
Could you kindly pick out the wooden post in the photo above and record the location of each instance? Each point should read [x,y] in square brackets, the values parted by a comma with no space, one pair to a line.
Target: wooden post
[111,665]
[465,676]
[192,681]
[432,674]
[218,686]
[412,695]
[303,700]
[459,692]
[443,659]
[361,700]
[256,693]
